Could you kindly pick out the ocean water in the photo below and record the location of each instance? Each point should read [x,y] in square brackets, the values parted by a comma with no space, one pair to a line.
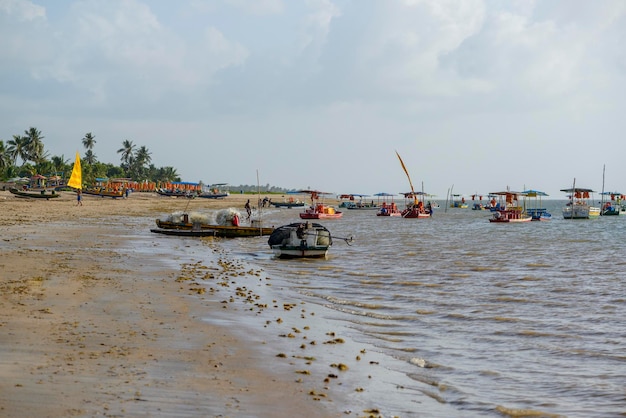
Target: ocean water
[475,318]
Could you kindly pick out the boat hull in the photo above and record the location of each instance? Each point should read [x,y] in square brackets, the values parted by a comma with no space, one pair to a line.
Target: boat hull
[43,194]
[287,205]
[318,215]
[300,240]
[225,231]
[580,212]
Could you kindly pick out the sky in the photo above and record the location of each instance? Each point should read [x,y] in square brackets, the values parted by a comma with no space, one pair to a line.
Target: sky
[476,96]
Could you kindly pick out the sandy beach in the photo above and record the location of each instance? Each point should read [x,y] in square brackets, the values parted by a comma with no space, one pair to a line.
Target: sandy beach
[91,327]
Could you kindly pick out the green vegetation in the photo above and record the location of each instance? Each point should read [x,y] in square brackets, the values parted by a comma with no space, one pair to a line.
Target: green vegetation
[30,149]
[136,163]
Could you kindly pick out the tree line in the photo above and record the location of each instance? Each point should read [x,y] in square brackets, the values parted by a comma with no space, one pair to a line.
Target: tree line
[29,149]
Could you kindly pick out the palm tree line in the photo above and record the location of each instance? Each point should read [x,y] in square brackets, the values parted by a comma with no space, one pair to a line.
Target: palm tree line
[136,162]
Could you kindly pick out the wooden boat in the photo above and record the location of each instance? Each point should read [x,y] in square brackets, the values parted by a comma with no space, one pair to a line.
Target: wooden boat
[175,193]
[204,229]
[578,206]
[215,191]
[510,210]
[288,204]
[112,188]
[300,240]
[387,209]
[104,192]
[318,210]
[534,208]
[35,194]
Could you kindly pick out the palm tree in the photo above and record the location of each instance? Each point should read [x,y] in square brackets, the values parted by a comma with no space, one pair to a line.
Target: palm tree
[127,151]
[90,157]
[34,147]
[89,141]
[18,148]
[5,158]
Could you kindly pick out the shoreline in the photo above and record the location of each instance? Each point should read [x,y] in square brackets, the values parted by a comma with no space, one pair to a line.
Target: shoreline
[89,328]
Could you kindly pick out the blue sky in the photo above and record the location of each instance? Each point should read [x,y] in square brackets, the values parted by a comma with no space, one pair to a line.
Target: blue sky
[479,95]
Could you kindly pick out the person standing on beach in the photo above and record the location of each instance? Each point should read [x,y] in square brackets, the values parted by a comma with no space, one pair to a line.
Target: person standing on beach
[79,197]
[248,209]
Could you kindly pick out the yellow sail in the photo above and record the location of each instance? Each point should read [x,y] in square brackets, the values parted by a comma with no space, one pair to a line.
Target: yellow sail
[76,179]
[407,175]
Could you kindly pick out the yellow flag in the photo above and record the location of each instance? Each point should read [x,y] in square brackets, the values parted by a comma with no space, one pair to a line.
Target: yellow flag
[76,179]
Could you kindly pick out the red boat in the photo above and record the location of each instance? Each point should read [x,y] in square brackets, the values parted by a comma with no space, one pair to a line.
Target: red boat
[510,210]
[510,215]
[416,209]
[318,210]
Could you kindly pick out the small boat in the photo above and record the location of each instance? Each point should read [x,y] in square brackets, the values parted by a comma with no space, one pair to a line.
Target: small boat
[353,204]
[578,206]
[387,208]
[510,210]
[318,210]
[300,240]
[458,201]
[34,194]
[416,208]
[215,191]
[535,210]
[291,203]
[220,231]
[175,193]
[227,226]
[105,187]
[614,205]
[479,205]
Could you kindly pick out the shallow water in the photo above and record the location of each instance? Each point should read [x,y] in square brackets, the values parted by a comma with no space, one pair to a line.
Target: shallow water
[486,319]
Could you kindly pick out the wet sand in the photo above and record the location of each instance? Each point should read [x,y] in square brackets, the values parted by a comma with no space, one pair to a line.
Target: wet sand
[89,327]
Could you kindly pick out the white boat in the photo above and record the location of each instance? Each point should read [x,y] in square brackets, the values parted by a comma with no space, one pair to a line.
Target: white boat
[300,240]
[579,206]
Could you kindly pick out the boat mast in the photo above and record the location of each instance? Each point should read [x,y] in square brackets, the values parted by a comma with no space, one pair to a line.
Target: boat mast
[602,194]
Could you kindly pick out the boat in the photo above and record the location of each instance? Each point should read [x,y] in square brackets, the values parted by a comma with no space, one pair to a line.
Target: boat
[614,205]
[352,204]
[288,205]
[535,210]
[226,225]
[33,194]
[578,206]
[300,240]
[175,193]
[387,209]
[458,201]
[510,211]
[215,191]
[318,210]
[480,205]
[113,188]
[416,208]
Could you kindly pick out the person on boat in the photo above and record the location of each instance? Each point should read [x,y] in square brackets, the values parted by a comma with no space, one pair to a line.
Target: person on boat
[300,231]
[429,208]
